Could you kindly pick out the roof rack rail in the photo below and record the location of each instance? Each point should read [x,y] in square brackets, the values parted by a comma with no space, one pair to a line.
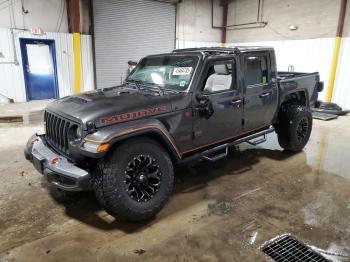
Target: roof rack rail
[224,50]
[210,50]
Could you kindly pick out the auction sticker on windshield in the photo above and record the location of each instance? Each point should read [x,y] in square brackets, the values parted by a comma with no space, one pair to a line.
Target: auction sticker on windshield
[182,71]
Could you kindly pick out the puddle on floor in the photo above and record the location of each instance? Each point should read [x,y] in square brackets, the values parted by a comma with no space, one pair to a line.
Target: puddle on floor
[326,150]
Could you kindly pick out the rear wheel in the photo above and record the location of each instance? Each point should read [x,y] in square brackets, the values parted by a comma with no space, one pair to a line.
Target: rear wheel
[135,181]
[294,127]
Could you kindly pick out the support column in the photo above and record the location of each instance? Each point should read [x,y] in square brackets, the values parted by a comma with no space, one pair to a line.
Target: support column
[76,47]
[73,11]
[224,4]
[337,44]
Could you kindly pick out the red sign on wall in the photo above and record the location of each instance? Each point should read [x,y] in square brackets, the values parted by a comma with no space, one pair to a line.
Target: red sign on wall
[36,31]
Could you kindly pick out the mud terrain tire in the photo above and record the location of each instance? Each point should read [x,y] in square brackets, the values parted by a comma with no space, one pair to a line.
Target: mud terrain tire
[120,180]
[294,127]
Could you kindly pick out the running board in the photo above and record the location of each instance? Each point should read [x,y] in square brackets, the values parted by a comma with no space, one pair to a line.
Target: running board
[221,151]
[248,139]
[216,153]
[258,141]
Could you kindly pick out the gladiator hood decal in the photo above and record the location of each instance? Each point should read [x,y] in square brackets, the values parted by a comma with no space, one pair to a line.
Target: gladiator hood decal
[132,115]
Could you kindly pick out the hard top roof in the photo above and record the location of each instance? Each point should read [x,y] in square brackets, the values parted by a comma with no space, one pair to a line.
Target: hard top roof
[234,49]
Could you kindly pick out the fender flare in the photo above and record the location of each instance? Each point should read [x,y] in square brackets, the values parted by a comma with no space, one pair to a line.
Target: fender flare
[120,133]
[303,90]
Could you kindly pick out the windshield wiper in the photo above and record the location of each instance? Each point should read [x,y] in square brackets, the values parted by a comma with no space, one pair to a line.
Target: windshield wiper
[170,90]
[152,85]
[146,85]
[136,82]
[140,84]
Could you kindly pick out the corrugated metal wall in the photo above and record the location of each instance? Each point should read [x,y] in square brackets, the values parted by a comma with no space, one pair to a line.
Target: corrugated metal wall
[129,30]
[11,76]
[87,66]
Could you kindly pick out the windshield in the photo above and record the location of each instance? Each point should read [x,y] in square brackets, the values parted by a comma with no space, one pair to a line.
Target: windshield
[169,71]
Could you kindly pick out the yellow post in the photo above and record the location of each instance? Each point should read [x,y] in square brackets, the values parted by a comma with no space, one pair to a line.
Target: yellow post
[333,69]
[76,48]
[338,37]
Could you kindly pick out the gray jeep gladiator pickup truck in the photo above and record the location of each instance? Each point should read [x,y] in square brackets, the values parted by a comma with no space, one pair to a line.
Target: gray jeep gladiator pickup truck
[122,142]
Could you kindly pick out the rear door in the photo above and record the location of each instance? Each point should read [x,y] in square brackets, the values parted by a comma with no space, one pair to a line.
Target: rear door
[260,89]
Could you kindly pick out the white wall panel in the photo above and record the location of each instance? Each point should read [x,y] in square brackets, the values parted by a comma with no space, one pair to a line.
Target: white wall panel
[341,93]
[87,65]
[191,44]
[10,75]
[12,78]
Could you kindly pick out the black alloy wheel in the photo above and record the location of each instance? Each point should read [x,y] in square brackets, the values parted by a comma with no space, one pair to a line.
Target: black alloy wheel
[302,129]
[142,178]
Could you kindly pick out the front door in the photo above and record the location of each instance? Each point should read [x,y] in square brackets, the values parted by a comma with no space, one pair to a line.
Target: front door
[39,67]
[220,87]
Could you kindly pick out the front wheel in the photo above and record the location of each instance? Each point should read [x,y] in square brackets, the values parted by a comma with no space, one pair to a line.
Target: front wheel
[294,127]
[135,181]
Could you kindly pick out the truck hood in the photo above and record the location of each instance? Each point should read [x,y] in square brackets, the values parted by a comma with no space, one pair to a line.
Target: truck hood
[113,105]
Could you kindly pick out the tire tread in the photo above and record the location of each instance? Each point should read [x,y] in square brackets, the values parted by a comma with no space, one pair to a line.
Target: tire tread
[105,181]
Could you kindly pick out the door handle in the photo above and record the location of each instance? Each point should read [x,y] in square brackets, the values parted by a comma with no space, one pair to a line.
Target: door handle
[236,101]
[265,94]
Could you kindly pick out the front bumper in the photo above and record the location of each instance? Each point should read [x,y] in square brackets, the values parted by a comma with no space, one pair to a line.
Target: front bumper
[58,171]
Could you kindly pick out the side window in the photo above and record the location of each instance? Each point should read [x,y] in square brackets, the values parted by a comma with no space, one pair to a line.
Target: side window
[255,70]
[219,76]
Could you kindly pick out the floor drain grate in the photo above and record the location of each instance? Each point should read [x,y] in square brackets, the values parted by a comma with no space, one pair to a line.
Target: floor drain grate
[287,248]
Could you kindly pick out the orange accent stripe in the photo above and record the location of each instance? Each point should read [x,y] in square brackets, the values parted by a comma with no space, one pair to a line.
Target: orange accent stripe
[180,154]
[222,140]
[135,130]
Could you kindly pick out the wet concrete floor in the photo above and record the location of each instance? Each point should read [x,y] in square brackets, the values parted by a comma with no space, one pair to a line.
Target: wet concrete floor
[221,211]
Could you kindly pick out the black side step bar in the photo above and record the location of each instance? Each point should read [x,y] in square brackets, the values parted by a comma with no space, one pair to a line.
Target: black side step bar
[221,151]
[248,139]
[210,155]
[258,141]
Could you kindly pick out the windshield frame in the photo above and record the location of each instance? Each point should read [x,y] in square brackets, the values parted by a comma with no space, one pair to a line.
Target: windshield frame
[193,54]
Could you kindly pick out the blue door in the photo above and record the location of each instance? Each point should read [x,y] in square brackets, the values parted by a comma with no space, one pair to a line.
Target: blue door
[39,67]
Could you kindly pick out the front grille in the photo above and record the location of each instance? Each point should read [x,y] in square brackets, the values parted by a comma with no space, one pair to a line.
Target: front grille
[57,131]
[286,248]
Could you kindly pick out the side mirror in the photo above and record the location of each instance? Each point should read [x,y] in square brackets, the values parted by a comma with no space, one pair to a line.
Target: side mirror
[205,106]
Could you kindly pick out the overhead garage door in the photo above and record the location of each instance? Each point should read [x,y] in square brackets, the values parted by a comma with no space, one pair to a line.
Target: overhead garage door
[128,30]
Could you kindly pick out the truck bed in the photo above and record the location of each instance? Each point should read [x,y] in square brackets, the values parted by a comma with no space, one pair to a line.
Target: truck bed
[284,75]
[294,81]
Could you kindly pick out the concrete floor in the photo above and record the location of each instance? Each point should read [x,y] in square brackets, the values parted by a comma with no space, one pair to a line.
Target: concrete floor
[219,212]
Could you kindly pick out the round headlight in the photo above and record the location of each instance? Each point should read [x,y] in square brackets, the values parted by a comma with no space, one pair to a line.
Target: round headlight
[79,132]
[75,132]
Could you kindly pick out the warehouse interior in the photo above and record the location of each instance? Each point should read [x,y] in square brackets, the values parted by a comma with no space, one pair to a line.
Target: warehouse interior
[228,210]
